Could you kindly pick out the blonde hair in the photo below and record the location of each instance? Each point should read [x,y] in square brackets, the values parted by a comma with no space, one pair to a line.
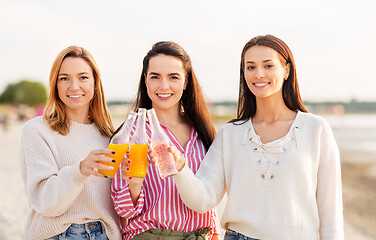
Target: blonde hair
[55,114]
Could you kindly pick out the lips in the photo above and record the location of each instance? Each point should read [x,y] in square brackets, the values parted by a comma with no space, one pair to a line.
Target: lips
[261,84]
[164,95]
[75,96]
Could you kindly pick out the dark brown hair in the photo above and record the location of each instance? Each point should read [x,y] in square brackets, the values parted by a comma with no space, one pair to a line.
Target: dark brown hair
[192,100]
[290,89]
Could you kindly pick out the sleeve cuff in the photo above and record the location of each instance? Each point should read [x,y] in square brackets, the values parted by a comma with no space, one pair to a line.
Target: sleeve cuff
[77,176]
[183,172]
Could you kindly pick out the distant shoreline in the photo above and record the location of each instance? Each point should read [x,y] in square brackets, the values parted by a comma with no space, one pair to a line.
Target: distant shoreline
[319,107]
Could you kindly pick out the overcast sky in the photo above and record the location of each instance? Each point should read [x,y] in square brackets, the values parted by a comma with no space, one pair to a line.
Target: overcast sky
[333,42]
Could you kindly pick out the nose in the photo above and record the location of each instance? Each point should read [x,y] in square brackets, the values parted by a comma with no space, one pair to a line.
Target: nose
[164,84]
[259,73]
[74,84]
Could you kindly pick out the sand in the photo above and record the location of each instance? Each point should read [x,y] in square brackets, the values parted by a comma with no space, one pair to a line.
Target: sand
[13,204]
[359,190]
[359,194]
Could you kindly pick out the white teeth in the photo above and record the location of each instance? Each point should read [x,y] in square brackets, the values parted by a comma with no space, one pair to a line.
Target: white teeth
[164,95]
[261,84]
[74,96]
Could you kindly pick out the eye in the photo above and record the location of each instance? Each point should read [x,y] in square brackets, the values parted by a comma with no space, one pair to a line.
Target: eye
[63,79]
[154,77]
[84,78]
[251,67]
[174,78]
[268,66]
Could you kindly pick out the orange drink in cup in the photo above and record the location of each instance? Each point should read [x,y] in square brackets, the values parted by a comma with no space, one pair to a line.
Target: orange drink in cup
[120,150]
[139,148]
[139,160]
[119,144]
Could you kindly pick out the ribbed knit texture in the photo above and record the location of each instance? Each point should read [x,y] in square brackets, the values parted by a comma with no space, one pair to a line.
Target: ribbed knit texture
[57,192]
[288,189]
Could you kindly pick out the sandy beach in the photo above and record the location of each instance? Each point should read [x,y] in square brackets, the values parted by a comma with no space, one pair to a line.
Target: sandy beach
[359,194]
[359,190]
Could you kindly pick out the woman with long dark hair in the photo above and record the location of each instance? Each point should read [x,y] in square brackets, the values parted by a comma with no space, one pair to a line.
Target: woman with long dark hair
[152,205]
[278,164]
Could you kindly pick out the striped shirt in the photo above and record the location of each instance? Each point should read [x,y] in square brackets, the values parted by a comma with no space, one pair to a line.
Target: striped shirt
[159,204]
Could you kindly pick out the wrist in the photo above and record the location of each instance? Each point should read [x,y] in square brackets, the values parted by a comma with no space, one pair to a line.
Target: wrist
[181,164]
[80,168]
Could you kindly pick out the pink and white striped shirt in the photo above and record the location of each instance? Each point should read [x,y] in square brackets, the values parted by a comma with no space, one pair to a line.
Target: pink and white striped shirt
[159,204]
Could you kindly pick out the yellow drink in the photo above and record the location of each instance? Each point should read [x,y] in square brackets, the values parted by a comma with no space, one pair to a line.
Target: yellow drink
[120,150]
[139,158]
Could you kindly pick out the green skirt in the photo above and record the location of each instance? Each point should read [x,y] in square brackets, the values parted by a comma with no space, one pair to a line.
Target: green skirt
[166,234]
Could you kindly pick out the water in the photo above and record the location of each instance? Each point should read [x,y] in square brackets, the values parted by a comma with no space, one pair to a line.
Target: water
[354,132]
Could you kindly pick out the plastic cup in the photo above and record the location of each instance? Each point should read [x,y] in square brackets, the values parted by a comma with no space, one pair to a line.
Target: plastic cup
[120,150]
[139,160]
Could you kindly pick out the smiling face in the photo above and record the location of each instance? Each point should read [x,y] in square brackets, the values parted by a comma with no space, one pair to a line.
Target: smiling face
[75,85]
[264,71]
[165,82]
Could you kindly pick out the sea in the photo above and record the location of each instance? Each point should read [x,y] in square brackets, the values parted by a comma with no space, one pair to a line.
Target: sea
[354,132]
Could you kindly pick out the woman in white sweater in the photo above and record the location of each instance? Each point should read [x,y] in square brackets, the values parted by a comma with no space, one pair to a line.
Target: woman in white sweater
[278,164]
[61,153]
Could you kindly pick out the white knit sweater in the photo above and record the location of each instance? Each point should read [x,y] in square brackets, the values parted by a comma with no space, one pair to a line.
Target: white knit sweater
[57,192]
[288,189]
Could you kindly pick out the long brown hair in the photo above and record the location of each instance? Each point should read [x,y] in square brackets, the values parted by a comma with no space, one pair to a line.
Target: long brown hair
[192,100]
[55,114]
[290,88]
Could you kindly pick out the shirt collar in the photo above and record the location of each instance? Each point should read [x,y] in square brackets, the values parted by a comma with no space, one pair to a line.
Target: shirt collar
[248,131]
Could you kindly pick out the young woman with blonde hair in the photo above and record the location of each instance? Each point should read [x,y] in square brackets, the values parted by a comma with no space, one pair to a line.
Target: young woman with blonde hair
[61,153]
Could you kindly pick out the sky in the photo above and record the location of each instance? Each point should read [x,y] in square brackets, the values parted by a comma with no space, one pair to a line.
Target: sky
[333,41]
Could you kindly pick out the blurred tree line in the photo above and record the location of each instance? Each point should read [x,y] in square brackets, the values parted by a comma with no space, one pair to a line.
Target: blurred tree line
[30,93]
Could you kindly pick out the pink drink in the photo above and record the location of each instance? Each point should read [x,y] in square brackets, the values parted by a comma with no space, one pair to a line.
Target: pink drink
[163,159]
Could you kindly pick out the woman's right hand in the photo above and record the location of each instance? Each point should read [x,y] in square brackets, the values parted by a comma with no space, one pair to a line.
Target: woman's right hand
[178,157]
[91,164]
